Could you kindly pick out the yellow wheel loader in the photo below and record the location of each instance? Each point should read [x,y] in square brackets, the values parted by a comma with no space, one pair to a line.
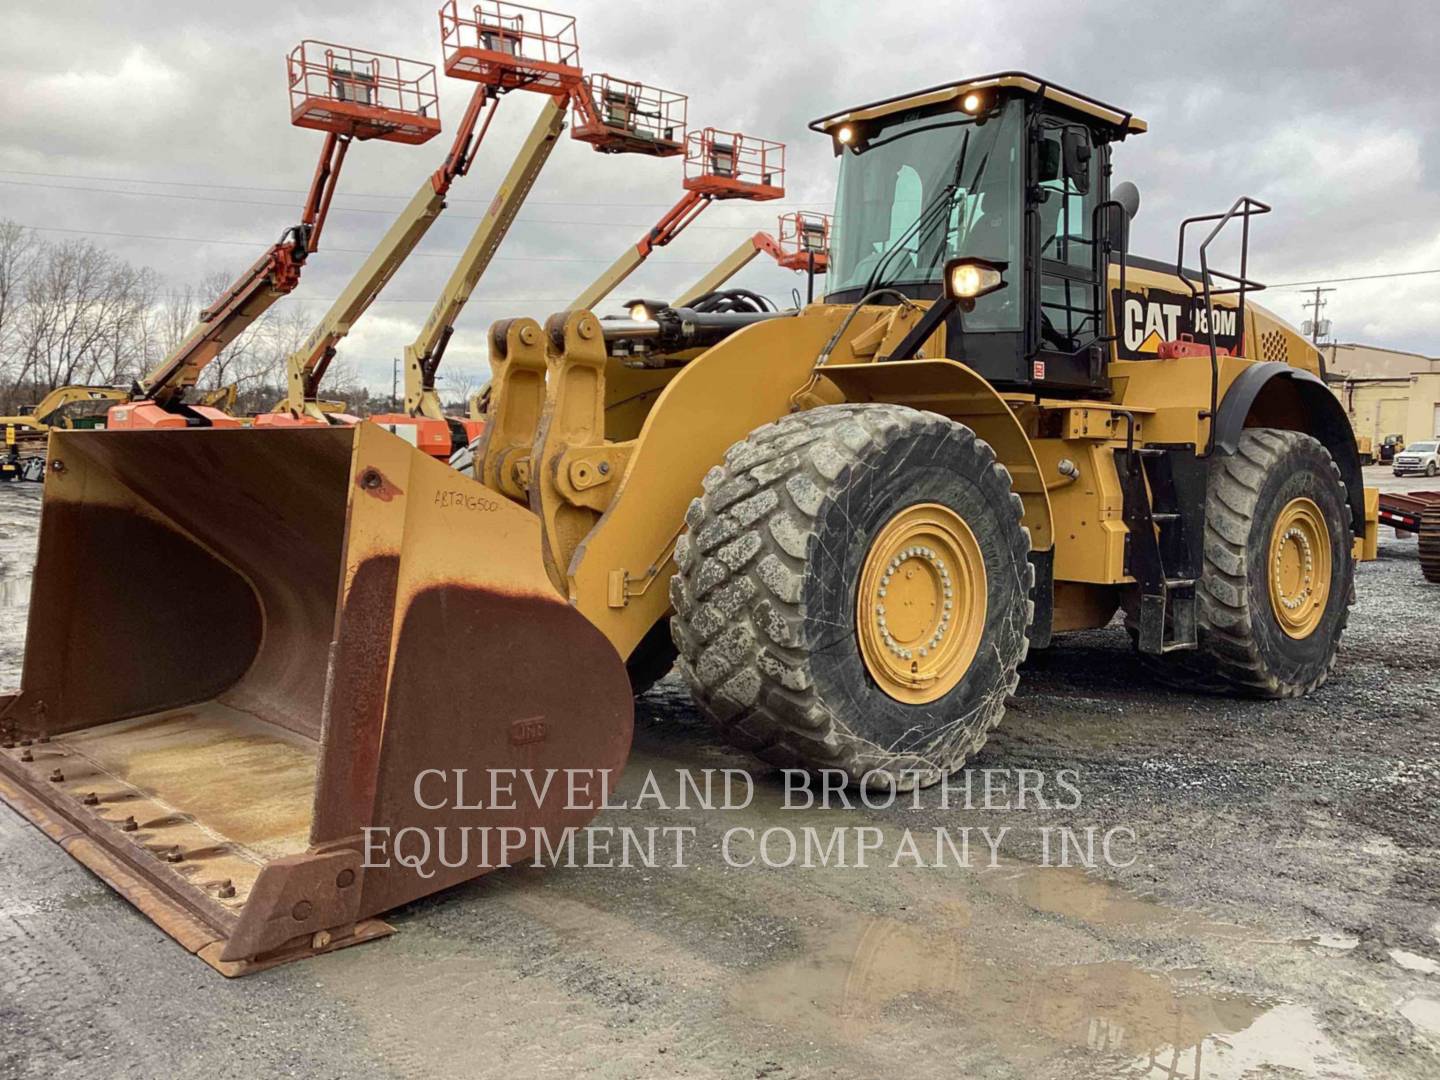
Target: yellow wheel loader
[853,520]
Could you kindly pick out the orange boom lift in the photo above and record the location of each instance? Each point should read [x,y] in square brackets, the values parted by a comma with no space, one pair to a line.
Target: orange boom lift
[511,46]
[802,243]
[718,165]
[350,94]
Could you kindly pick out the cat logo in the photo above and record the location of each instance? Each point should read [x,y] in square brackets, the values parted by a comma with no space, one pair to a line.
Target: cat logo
[1148,319]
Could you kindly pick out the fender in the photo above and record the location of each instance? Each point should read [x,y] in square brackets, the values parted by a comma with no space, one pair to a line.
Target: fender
[952,389]
[1274,394]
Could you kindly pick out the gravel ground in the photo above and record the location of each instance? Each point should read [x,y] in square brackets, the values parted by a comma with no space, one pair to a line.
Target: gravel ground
[1280,918]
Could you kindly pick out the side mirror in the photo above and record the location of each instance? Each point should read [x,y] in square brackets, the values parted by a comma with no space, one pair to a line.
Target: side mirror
[1126,197]
[1077,158]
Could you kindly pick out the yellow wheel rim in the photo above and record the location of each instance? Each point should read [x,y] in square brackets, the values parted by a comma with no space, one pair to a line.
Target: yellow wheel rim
[920,610]
[1299,567]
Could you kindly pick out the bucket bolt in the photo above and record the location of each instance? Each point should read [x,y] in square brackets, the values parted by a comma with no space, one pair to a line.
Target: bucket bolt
[91,799]
[172,855]
[128,825]
[26,755]
[56,776]
[225,890]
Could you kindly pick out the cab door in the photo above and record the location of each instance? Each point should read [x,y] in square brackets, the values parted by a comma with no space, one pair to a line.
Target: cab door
[1066,303]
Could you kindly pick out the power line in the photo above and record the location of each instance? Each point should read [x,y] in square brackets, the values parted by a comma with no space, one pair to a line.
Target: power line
[350,194]
[1361,277]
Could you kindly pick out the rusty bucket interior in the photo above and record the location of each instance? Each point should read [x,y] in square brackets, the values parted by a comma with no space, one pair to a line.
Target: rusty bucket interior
[244,648]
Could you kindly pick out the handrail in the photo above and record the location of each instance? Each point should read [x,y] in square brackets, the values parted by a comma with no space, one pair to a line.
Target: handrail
[1245,208]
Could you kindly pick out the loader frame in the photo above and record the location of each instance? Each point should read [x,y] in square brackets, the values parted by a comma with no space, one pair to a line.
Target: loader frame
[1103,452]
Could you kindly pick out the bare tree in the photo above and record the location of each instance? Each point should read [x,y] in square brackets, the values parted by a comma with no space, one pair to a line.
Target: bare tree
[17,257]
[457,385]
[83,317]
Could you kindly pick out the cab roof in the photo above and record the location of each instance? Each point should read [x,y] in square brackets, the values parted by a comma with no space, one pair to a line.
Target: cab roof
[1121,122]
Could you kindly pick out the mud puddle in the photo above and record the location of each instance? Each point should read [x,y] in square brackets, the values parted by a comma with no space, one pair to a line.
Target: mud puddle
[948,980]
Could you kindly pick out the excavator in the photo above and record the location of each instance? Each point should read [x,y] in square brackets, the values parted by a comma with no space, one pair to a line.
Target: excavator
[350,94]
[850,522]
[25,433]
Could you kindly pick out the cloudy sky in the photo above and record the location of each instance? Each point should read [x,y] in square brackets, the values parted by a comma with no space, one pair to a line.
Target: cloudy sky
[160,129]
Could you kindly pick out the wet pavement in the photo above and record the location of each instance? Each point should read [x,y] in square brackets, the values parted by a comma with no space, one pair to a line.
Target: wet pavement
[1270,907]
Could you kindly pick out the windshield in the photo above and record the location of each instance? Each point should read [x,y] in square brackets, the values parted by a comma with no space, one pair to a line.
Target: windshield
[1423,447]
[959,179]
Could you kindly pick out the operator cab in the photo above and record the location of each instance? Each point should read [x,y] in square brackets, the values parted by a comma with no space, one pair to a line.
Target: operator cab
[1006,170]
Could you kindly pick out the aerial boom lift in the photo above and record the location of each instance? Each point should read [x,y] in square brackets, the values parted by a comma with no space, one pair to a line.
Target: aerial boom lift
[350,94]
[802,244]
[510,46]
[718,165]
[307,365]
[423,413]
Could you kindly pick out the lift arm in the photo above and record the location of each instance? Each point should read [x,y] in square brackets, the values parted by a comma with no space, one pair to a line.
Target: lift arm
[423,355]
[306,367]
[666,229]
[276,273]
[729,266]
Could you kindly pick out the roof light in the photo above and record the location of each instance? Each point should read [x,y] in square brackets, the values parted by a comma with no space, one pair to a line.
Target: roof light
[972,103]
[846,135]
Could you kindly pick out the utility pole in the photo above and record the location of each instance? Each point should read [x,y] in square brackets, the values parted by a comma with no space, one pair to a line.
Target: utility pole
[394,383]
[1318,305]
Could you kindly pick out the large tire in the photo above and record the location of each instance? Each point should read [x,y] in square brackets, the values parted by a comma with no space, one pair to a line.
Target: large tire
[1430,544]
[1242,639]
[769,570]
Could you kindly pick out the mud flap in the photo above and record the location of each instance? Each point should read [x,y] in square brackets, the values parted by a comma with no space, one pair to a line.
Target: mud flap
[257,657]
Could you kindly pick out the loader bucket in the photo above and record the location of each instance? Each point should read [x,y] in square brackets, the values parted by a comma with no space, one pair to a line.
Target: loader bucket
[262,663]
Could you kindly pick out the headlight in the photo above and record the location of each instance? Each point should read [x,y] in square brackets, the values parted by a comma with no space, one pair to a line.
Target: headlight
[968,277]
[643,309]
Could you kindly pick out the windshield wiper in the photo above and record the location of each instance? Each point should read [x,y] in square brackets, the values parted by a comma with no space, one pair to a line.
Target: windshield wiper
[942,198]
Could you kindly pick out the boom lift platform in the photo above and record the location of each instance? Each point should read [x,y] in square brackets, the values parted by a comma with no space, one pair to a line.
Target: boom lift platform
[511,46]
[617,116]
[350,94]
[500,48]
[719,165]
